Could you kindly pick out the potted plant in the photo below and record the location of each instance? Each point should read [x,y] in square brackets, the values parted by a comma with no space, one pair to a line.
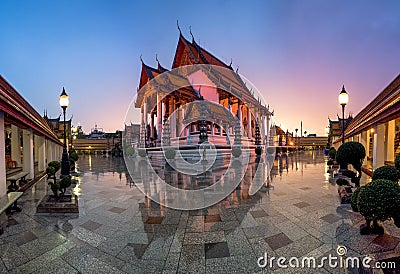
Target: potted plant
[351,153]
[377,202]
[258,151]
[344,190]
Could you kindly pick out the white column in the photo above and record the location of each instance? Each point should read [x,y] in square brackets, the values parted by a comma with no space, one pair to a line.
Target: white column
[54,152]
[363,140]
[378,146]
[390,133]
[48,151]
[15,145]
[35,149]
[240,117]
[185,130]
[145,112]
[159,118]
[27,140]
[3,182]
[152,126]
[173,120]
[40,143]
[268,129]
[248,121]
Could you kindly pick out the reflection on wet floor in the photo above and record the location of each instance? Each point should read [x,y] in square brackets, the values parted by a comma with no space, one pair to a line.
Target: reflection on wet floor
[296,213]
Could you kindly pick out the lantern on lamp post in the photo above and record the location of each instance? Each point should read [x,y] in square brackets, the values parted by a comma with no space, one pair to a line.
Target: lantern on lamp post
[64,102]
[343,100]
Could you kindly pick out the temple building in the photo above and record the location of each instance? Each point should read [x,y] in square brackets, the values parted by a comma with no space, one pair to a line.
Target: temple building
[335,128]
[27,143]
[171,102]
[377,127]
[57,125]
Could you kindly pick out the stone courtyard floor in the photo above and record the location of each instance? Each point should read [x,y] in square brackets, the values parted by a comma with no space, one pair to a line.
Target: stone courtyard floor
[118,230]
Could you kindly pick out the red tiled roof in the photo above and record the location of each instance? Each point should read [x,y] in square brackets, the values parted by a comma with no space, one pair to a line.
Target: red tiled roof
[17,110]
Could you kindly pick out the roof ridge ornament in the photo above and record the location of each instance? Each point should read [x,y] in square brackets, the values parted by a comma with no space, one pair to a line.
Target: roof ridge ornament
[190,31]
[141,59]
[177,24]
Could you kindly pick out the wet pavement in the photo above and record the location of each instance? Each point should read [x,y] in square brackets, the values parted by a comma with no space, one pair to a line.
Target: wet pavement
[119,230]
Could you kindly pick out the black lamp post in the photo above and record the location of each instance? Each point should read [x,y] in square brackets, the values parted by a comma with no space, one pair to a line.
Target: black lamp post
[64,102]
[343,100]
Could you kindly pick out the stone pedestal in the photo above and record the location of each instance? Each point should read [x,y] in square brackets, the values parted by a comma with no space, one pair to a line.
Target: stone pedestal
[67,203]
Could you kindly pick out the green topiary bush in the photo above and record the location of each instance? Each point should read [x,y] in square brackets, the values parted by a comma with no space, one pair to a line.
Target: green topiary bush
[332,153]
[351,153]
[378,201]
[354,199]
[397,161]
[73,155]
[65,182]
[56,165]
[349,173]
[258,150]
[387,173]
[330,162]
[356,181]
[50,171]
[342,182]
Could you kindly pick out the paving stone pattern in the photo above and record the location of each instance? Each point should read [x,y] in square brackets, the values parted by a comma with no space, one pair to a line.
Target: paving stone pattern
[118,230]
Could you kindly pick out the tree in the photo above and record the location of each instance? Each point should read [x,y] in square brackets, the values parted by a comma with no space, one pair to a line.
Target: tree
[351,153]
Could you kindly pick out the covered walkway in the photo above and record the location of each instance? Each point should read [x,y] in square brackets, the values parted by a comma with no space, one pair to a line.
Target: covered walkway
[27,143]
[377,127]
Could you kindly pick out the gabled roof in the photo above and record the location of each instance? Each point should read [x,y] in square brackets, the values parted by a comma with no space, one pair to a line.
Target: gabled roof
[147,74]
[163,81]
[190,53]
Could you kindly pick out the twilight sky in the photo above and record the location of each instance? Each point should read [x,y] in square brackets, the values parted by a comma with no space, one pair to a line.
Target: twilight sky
[297,53]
